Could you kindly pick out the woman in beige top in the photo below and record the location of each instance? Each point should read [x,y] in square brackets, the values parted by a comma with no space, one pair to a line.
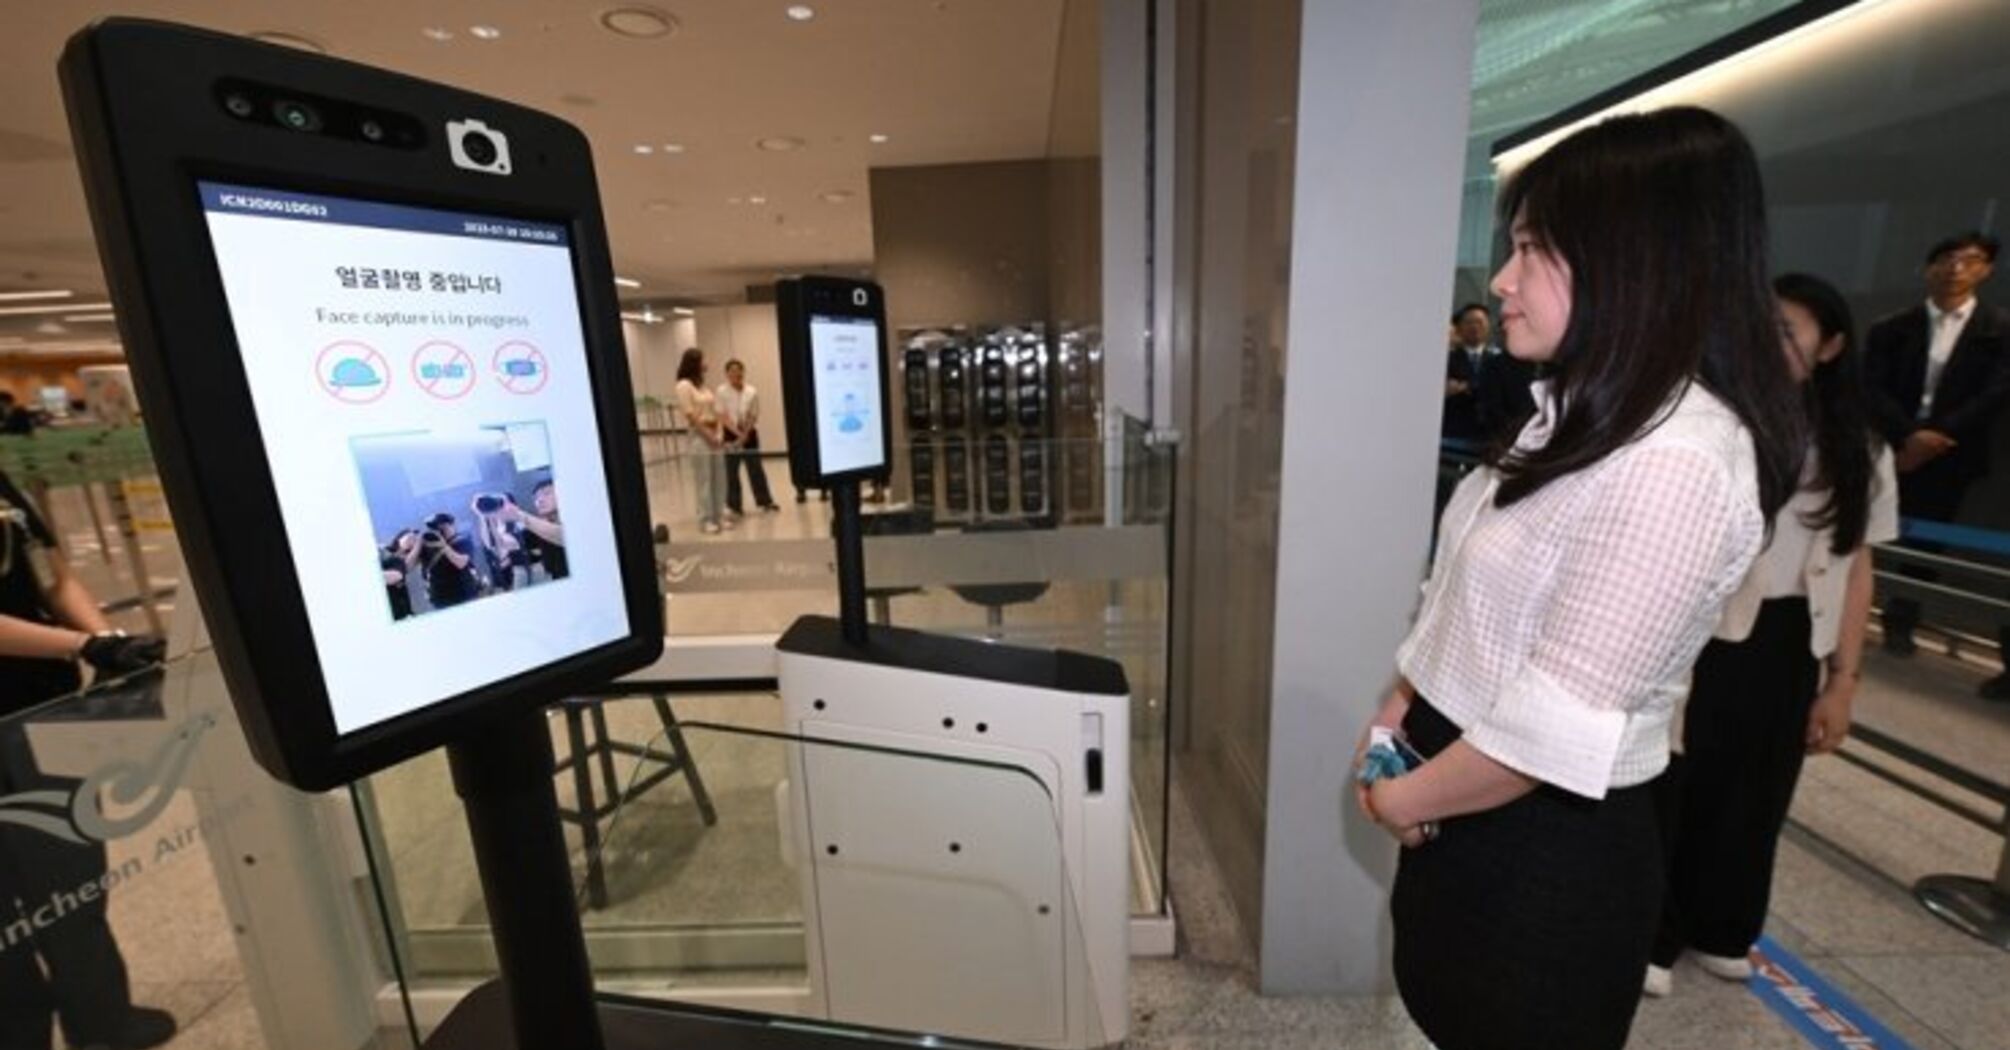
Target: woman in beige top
[700,409]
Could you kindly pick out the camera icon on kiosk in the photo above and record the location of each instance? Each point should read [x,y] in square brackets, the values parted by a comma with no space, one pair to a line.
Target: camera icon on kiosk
[478,147]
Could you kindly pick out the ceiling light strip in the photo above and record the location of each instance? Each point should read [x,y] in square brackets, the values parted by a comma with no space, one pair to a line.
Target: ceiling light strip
[1792,26]
[61,308]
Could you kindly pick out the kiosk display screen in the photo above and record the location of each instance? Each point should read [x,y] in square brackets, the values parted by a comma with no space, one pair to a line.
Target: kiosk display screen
[844,359]
[420,382]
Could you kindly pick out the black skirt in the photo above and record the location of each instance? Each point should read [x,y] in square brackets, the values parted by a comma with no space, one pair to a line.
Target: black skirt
[1527,926]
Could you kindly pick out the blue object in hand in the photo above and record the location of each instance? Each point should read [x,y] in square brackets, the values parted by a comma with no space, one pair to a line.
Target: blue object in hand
[1388,755]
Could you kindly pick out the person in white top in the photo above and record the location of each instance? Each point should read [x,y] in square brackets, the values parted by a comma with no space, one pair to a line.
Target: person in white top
[1578,574]
[740,410]
[700,410]
[1777,682]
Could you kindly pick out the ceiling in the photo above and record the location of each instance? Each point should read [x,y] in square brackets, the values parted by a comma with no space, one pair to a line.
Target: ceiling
[946,81]
[1536,57]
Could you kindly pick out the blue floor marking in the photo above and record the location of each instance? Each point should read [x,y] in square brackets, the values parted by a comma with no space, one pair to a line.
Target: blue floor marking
[1824,1016]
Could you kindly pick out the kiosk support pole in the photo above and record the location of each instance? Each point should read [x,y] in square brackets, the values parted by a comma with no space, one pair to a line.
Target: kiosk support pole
[504,778]
[850,562]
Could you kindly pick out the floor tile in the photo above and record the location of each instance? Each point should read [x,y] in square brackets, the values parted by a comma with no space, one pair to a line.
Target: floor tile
[1847,912]
[1966,998]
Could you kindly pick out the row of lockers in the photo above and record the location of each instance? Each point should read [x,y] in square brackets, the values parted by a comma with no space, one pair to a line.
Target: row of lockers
[1000,425]
[967,478]
[1000,378]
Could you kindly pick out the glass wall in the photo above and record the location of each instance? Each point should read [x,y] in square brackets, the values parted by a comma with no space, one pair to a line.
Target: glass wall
[1234,206]
[1010,517]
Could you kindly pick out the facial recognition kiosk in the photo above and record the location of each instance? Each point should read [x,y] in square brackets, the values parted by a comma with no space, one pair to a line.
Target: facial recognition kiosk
[1004,898]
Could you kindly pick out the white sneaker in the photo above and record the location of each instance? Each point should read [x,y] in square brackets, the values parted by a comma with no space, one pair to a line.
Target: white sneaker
[1725,967]
[709,528]
[1660,981]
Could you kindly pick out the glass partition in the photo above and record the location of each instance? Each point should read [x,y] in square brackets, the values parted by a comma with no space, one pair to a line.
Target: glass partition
[161,883]
[1090,575]
[841,880]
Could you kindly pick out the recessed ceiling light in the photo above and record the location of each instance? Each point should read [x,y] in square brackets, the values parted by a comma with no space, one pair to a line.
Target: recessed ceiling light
[484,32]
[683,311]
[292,40]
[644,149]
[877,139]
[658,204]
[757,199]
[628,282]
[734,200]
[801,12]
[779,143]
[15,297]
[835,196]
[86,318]
[640,22]
[673,147]
[440,33]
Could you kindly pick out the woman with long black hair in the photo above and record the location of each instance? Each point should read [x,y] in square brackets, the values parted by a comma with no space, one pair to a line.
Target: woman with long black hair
[1578,574]
[1777,682]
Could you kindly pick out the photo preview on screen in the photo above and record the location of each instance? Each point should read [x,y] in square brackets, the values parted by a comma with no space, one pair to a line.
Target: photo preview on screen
[461,515]
[420,381]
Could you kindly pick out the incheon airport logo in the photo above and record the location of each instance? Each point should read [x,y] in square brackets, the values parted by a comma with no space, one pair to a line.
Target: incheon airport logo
[139,790]
[679,570]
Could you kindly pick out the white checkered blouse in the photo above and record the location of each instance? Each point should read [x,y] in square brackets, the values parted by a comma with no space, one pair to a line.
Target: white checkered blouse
[1558,633]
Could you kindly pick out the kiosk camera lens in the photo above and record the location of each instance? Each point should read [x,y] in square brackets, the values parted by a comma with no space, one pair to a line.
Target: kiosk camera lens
[372,131]
[296,116]
[239,106]
[479,147]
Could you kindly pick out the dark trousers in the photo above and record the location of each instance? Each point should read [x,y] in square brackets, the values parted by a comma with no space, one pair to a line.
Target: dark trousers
[1527,926]
[70,969]
[749,455]
[1725,798]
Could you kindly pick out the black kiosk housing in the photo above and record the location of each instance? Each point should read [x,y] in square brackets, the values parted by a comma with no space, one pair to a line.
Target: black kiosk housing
[156,109]
[832,333]
[161,112]
[806,308]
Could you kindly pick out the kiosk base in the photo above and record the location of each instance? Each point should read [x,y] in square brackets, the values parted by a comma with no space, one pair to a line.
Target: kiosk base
[482,1022]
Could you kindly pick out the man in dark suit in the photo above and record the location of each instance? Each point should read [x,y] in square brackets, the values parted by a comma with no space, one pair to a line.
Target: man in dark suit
[1486,391]
[1938,374]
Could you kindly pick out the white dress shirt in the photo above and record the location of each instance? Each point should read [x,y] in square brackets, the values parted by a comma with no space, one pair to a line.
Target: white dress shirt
[1943,329]
[738,405]
[1800,560]
[1558,633]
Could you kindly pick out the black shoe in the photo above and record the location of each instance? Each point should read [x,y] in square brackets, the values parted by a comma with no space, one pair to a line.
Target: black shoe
[1899,644]
[799,496]
[143,1027]
[1997,688]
